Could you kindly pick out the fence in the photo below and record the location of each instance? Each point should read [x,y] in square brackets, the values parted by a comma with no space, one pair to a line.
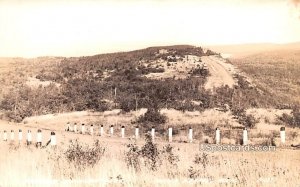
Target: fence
[242,133]
[29,139]
[190,138]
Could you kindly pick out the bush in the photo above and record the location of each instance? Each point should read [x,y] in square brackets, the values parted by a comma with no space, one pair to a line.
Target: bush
[152,116]
[286,118]
[169,155]
[270,139]
[147,70]
[210,52]
[201,71]
[248,120]
[200,164]
[149,153]
[292,120]
[132,157]
[49,76]
[296,116]
[83,156]
[127,104]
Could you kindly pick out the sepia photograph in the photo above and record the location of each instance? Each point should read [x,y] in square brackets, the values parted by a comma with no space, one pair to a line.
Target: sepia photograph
[149,93]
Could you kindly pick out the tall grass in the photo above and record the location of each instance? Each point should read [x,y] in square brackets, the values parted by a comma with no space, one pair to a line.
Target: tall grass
[22,166]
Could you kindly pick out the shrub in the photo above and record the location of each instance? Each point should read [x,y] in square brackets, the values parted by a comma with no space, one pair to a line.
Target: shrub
[169,155]
[270,141]
[248,120]
[147,70]
[132,156]
[201,71]
[292,120]
[13,146]
[83,156]
[296,116]
[152,116]
[49,76]
[127,104]
[210,52]
[201,159]
[242,82]
[200,165]
[286,118]
[150,153]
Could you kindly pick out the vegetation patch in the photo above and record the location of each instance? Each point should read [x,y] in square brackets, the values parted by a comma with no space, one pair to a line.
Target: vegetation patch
[293,119]
[84,156]
[150,155]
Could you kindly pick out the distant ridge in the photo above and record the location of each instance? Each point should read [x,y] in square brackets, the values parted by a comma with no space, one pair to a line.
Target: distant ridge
[241,50]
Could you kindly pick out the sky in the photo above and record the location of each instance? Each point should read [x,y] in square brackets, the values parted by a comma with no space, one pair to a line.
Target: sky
[31,28]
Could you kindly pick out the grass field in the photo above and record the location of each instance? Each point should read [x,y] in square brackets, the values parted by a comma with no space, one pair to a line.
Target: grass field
[184,165]
[23,166]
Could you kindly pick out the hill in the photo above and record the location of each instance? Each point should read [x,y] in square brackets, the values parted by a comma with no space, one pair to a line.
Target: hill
[244,50]
[164,80]
[156,77]
[276,72]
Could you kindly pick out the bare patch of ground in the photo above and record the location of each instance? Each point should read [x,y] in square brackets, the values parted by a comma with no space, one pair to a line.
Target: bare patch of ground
[34,82]
[178,70]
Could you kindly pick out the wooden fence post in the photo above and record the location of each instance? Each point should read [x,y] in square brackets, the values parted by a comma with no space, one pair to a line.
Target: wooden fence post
[111,130]
[29,137]
[39,138]
[136,132]
[282,135]
[101,130]
[68,127]
[218,136]
[190,137]
[82,129]
[12,135]
[153,133]
[170,134]
[20,137]
[123,132]
[4,135]
[53,139]
[245,136]
[92,130]
[75,127]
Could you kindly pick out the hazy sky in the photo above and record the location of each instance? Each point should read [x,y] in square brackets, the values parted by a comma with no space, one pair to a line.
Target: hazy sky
[30,28]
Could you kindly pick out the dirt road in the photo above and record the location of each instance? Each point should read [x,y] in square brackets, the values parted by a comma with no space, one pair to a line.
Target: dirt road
[221,72]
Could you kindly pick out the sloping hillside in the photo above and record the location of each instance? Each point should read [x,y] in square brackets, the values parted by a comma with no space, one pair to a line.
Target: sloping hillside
[276,72]
[179,77]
